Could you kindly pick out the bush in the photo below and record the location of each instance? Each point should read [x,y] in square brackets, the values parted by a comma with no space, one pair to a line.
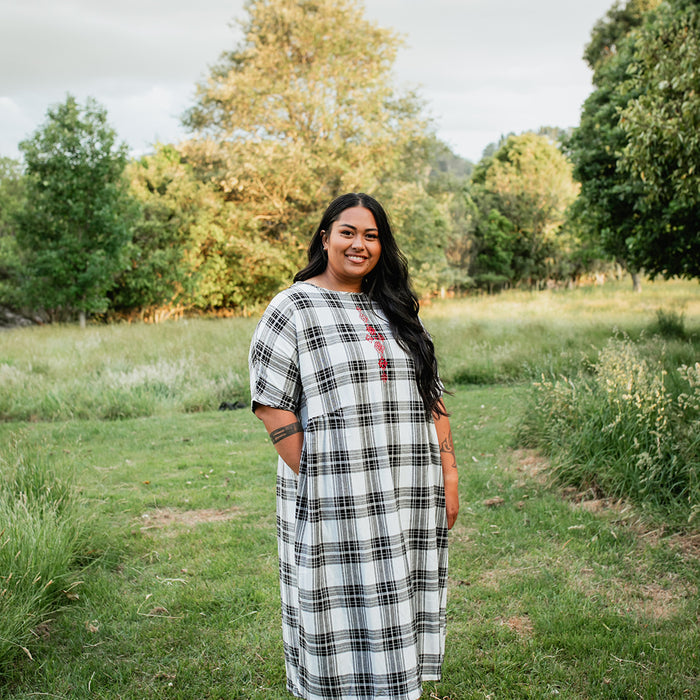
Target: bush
[628,430]
[41,531]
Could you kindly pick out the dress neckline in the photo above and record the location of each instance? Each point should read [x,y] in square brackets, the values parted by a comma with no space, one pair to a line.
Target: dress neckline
[331,291]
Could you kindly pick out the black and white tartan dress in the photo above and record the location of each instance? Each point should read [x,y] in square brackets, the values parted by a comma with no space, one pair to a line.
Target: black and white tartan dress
[362,532]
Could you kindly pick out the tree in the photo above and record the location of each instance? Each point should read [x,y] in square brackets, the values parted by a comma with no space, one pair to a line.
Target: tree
[662,126]
[608,207]
[610,31]
[12,201]
[608,204]
[301,111]
[75,232]
[175,209]
[523,192]
[183,254]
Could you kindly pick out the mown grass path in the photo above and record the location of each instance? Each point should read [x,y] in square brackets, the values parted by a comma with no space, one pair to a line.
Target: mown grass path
[547,597]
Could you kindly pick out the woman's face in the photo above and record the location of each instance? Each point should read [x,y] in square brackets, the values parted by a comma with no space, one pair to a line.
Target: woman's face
[353,247]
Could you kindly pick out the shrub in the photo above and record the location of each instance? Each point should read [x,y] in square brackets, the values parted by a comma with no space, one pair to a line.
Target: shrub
[627,430]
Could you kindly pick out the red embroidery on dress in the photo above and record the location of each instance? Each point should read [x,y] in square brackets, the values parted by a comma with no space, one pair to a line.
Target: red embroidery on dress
[377,339]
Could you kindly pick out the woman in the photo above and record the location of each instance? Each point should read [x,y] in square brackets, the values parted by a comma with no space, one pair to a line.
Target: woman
[344,377]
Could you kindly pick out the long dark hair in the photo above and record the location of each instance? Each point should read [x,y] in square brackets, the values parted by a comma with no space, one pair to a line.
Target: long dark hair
[388,285]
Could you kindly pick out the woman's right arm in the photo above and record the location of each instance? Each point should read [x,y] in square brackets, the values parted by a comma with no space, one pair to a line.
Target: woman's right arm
[285,432]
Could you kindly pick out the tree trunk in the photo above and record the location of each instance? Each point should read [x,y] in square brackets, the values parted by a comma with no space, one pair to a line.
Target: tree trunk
[81,317]
[636,282]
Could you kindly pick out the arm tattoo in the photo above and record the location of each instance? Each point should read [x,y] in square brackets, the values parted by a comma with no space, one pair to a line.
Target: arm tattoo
[285,431]
[447,448]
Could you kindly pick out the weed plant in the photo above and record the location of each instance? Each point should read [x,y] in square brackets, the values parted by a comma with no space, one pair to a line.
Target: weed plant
[670,324]
[630,430]
[42,532]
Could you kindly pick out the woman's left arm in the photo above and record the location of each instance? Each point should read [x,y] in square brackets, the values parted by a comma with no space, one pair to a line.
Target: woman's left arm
[449,466]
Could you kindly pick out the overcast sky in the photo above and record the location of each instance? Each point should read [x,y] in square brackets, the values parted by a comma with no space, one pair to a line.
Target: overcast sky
[485,67]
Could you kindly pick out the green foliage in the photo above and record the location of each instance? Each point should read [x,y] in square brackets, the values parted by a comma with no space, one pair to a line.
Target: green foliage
[185,253]
[626,432]
[303,110]
[12,201]
[636,149]
[423,229]
[42,534]
[158,251]
[74,235]
[670,325]
[522,193]
[662,124]
[610,31]
[493,263]
[607,206]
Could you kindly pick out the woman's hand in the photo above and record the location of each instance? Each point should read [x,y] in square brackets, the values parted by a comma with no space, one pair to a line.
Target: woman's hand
[285,432]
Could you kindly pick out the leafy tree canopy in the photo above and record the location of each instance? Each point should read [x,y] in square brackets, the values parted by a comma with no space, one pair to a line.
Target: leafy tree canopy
[73,235]
[302,110]
[662,124]
[636,149]
[523,192]
[612,29]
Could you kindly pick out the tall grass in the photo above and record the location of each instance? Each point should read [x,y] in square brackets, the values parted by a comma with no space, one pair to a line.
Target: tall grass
[517,335]
[127,371]
[41,534]
[630,430]
[122,371]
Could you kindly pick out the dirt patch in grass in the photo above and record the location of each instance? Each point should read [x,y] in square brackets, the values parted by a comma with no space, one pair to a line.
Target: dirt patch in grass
[687,544]
[651,600]
[166,518]
[520,624]
[645,595]
[532,466]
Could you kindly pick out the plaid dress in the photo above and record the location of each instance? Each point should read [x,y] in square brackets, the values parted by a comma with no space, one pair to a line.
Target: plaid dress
[362,532]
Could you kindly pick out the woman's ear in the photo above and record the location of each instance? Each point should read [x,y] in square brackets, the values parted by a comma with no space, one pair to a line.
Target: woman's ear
[324,240]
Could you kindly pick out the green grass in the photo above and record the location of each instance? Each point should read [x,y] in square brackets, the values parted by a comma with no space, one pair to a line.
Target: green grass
[544,595]
[127,371]
[179,595]
[42,536]
[517,335]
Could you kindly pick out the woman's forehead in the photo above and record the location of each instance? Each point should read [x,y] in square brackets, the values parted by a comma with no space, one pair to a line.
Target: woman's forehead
[357,217]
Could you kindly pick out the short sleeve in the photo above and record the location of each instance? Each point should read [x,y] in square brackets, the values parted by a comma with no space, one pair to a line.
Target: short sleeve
[273,361]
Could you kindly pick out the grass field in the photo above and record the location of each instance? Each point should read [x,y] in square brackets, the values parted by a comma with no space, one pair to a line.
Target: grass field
[173,593]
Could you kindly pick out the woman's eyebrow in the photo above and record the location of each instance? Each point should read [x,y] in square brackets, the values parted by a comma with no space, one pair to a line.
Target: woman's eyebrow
[354,228]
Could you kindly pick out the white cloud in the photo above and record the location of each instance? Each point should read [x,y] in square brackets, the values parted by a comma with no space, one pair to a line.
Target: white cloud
[486,67]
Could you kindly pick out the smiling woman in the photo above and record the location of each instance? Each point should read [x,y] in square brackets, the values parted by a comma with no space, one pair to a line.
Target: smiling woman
[344,377]
[353,248]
